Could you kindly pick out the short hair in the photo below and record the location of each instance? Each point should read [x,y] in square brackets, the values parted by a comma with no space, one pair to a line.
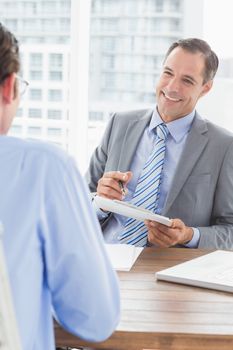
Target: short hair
[9,54]
[195,45]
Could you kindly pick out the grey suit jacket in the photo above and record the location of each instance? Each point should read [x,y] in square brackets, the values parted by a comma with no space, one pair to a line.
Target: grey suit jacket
[202,190]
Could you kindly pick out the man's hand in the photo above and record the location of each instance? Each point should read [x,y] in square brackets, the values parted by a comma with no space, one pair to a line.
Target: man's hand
[164,236]
[109,187]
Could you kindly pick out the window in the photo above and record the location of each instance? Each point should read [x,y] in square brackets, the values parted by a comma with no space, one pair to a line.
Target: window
[131,6]
[55,75]
[47,25]
[151,62]
[55,60]
[19,112]
[109,25]
[9,7]
[65,6]
[35,94]
[54,132]
[128,41]
[108,80]
[34,131]
[54,114]
[132,24]
[43,30]
[29,25]
[33,40]
[109,44]
[155,25]
[12,24]
[108,62]
[64,25]
[96,26]
[94,116]
[55,95]
[16,129]
[159,5]
[175,24]
[28,8]
[175,5]
[48,7]
[34,113]
[149,97]
[35,75]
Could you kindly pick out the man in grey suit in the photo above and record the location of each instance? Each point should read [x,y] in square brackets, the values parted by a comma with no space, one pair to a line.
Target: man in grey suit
[196,184]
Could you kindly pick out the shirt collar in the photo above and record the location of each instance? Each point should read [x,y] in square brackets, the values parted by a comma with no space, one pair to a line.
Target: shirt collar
[177,128]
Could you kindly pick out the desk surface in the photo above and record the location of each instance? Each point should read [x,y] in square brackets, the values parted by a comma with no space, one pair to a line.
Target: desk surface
[165,316]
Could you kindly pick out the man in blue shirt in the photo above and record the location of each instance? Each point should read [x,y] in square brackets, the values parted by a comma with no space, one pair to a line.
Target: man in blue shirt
[195,182]
[53,245]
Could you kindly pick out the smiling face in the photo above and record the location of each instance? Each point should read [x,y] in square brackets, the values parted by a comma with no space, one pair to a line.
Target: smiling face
[181,84]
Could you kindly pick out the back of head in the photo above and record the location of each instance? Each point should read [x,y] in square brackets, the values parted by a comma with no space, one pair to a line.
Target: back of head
[9,54]
[195,45]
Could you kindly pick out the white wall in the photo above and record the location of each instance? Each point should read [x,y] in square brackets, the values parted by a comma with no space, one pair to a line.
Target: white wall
[217,105]
[193,18]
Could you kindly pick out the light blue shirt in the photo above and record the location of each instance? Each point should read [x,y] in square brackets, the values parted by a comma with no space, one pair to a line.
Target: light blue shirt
[178,132]
[54,246]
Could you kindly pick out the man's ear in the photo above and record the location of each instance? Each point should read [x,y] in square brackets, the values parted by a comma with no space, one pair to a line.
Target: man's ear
[8,88]
[206,87]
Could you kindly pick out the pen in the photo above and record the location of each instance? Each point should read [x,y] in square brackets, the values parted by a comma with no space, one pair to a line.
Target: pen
[122,187]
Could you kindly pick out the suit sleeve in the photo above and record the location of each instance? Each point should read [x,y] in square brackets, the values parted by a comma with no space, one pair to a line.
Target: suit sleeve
[220,234]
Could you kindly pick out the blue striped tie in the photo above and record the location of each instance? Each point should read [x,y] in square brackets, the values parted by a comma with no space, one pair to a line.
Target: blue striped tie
[147,190]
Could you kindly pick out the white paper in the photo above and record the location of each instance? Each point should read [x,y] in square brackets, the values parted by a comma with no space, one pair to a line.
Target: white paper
[129,210]
[123,256]
[213,270]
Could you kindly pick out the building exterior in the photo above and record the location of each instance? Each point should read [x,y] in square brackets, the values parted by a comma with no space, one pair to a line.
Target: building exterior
[43,30]
[128,41]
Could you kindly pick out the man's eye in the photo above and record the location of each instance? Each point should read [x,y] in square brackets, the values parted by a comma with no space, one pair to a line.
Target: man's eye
[167,73]
[188,82]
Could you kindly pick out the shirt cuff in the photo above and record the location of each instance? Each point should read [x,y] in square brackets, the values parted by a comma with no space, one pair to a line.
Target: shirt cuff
[99,212]
[195,239]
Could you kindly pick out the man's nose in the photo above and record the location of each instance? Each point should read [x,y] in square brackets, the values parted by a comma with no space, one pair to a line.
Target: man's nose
[173,84]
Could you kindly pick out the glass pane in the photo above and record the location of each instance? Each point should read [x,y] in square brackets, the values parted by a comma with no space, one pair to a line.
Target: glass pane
[35,94]
[34,131]
[43,31]
[34,113]
[54,114]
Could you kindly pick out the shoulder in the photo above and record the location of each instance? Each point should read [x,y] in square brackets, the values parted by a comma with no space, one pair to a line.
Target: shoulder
[45,150]
[134,115]
[33,153]
[120,120]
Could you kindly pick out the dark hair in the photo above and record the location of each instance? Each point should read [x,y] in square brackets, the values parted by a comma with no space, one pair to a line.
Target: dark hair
[195,45]
[9,54]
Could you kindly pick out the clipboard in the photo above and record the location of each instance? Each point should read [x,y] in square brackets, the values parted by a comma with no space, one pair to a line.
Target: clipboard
[130,210]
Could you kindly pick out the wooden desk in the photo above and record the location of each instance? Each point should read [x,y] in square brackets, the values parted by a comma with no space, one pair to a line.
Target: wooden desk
[165,316]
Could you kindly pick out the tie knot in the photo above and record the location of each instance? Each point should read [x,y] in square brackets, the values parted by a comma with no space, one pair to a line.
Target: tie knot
[162,131]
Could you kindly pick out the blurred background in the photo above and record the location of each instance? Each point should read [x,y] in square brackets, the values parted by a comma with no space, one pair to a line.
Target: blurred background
[85,59]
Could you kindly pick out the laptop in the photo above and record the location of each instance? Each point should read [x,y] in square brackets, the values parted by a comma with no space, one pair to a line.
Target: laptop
[213,270]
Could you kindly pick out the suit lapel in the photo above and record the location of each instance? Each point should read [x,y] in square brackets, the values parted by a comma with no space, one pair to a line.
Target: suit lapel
[194,146]
[132,137]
